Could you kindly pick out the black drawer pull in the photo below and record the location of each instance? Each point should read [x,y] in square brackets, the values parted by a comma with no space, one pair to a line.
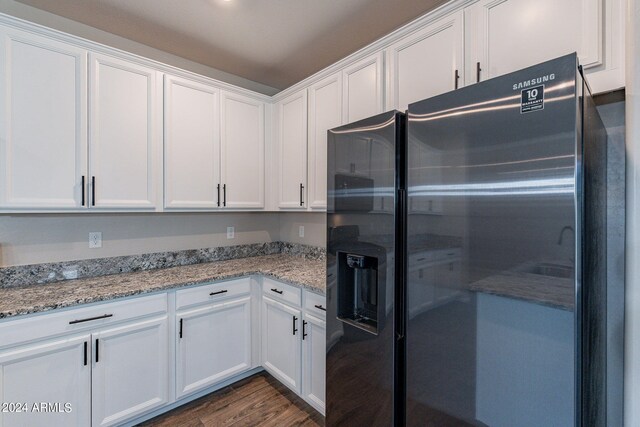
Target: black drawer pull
[276,291]
[320,307]
[218,293]
[294,325]
[304,329]
[89,319]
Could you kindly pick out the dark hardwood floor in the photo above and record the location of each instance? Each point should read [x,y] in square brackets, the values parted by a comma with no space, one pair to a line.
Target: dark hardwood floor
[259,400]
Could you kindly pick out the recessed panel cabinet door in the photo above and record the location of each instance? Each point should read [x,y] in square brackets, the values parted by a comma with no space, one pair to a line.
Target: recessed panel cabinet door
[52,372]
[214,343]
[314,355]
[130,371]
[242,139]
[191,144]
[292,151]
[281,330]
[125,135]
[363,88]
[325,112]
[508,35]
[43,122]
[427,63]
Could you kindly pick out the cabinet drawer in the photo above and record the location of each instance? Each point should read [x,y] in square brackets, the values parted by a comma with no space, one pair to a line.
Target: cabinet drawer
[211,293]
[281,291]
[54,323]
[315,304]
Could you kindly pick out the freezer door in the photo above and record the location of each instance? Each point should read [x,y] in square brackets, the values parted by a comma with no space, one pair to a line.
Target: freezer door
[492,250]
[360,272]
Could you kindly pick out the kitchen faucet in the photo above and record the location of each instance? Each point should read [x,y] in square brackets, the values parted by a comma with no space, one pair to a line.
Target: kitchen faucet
[566,227]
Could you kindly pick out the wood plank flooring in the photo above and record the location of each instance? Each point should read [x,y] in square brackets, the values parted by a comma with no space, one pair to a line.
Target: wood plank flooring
[259,400]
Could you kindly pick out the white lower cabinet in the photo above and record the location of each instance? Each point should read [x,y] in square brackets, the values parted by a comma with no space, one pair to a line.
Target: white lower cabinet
[55,372]
[130,371]
[313,361]
[293,340]
[281,349]
[214,344]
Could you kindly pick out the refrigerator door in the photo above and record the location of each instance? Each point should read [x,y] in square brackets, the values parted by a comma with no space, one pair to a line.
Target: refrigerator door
[360,272]
[491,283]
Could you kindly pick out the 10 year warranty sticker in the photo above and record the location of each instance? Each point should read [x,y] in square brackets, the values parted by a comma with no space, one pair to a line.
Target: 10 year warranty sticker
[532,99]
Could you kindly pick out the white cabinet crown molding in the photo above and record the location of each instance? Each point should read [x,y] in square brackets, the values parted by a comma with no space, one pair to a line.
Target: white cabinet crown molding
[38,29]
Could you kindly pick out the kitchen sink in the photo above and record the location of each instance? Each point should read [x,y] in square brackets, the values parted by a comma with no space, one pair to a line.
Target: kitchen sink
[550,269]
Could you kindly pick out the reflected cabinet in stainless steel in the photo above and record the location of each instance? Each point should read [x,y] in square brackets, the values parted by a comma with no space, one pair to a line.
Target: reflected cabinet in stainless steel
[480,299]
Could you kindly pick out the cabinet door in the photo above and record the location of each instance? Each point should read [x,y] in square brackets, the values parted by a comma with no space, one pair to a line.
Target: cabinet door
[191,144]
[214,343]
[292,150]
[242,141]
[43,122]
[325,112]
[427,63]
[130,371]
[125,139]
[508,35]
[363,87]
[281,342]
[314,354]
[56,372]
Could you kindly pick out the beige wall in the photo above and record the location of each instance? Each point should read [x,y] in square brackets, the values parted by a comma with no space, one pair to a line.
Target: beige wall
[314,228]
[31,239]
[28,13]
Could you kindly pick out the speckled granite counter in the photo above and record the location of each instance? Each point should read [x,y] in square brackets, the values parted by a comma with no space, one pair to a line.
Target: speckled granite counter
[536,288]
[303,272]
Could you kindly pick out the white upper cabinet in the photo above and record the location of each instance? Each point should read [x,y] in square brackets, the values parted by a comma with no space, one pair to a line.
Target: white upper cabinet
[125,135]
[507,35]
[427,62]
[242,153]
[191,144]
[291,115]
[325,112]
[43,122]
[363,88]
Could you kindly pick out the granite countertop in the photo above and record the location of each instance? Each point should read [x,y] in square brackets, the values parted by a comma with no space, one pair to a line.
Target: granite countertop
[296,270]
[536,288]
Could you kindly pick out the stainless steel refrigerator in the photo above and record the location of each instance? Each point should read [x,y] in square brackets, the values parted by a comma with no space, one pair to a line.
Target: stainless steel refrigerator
[466,277]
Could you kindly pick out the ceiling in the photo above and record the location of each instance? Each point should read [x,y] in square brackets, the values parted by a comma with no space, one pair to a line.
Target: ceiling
[273,42]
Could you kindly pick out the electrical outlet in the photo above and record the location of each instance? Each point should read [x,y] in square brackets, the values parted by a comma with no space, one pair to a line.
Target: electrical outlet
[95,239]
[231,232]
[301,231]
[70,274]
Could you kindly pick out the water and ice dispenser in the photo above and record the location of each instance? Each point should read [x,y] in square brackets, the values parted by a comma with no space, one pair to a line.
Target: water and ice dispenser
[360,300]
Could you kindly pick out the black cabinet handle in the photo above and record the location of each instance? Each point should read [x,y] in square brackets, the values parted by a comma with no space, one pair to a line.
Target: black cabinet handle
[276,291]
[93,191]
[86,345]
[217,293]
[301,191]
[320,307]
[89,319]
[97,350]
[82,190]
[224,195]
[456,79]
[180,333]
[304,329]
[478,69]
[218,195]
[295,319]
